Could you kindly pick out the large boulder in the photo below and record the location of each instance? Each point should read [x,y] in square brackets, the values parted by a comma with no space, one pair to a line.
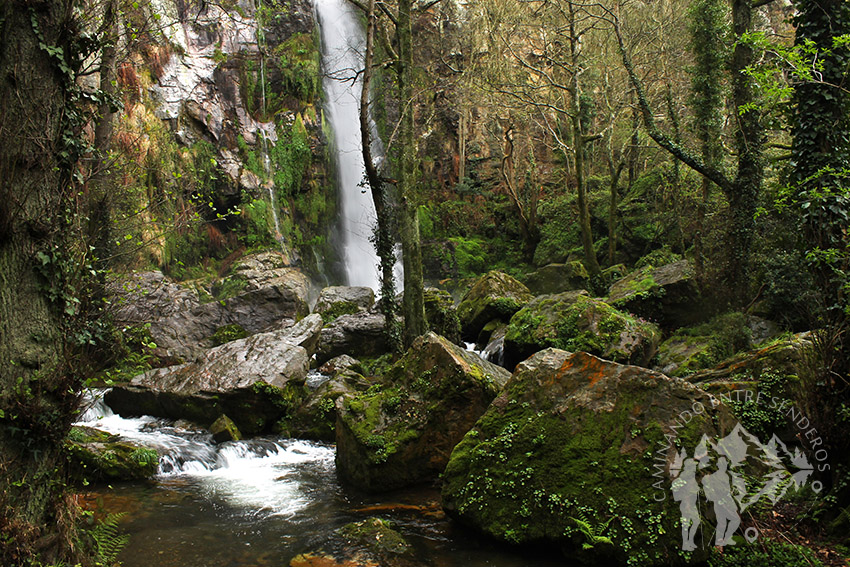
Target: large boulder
[402,433]
[264,294]
[315,418]
[357,334]
[343,300]
[558,278]
[256,381]
[575,451]
[577,322]
[667,295]
[495,295]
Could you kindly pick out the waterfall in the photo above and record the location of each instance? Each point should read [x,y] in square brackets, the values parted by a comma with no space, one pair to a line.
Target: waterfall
[264,144]
[343,42]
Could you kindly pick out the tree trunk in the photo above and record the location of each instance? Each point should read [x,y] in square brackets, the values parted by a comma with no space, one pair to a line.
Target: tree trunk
[37,393]
[413,306]
[579,143]
[384,240]
[749,143]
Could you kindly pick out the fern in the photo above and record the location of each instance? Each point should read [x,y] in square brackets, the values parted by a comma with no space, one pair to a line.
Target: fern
[593,533]
[108,541]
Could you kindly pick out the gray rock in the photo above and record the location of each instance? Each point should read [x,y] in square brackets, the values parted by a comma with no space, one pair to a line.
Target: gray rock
[358,335]
[340,300]
[257,381]
[273,296]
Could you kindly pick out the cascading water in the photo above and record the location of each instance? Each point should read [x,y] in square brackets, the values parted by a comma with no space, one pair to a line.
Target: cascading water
[343,43]
[249,474]
[264,144]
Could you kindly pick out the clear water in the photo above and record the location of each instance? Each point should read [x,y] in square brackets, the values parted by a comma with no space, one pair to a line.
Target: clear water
[262,502]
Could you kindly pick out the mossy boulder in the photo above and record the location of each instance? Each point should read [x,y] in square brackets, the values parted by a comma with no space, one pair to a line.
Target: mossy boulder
[95,455]
[495,295]
[315,418]
[690,349]
[572,452]
[575,321]
[558,278]
[782,355]
[667,295]
[442,315]
[369,542]
[223,429]
[343,300]
[402,433]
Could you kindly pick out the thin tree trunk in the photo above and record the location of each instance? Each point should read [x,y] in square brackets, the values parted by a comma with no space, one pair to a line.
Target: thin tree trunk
[384,241]
[413,306]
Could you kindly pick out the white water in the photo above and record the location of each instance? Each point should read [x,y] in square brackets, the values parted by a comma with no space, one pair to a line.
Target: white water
[343,43]
[264,145]
[257,475]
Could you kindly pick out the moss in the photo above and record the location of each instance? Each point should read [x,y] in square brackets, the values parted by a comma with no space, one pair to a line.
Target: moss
[529,472]
[338,309]
[577,322]
[377,535]
[227,333]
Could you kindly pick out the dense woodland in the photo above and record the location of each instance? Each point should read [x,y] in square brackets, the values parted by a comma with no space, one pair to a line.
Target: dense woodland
[603,138]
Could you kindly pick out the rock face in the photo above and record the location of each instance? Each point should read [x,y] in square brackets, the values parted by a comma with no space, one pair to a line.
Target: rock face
[558,278]
[577,322]
[494,296]
[256,381]
[566,455]
[667,295]
[402,433]
[358,334]
[272,294]
[343,300]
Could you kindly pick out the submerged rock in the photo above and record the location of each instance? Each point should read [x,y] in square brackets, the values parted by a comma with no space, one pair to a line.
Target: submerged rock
[95,455]
[577,322]
[402,433]
[567,453]
[257,380]
[368,543]
[667,295]
[493,296]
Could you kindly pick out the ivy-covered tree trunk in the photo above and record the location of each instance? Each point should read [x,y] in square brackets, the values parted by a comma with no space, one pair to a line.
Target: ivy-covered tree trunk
[384,233]
[413,307]
[749,145]
[821,175]
[709,37]
[37,398]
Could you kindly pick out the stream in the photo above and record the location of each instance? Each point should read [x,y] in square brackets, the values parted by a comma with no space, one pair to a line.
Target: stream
[261,502]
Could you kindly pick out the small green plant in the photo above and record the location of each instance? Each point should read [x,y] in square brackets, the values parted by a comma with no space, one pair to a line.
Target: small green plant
[764,553]
[593,533]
